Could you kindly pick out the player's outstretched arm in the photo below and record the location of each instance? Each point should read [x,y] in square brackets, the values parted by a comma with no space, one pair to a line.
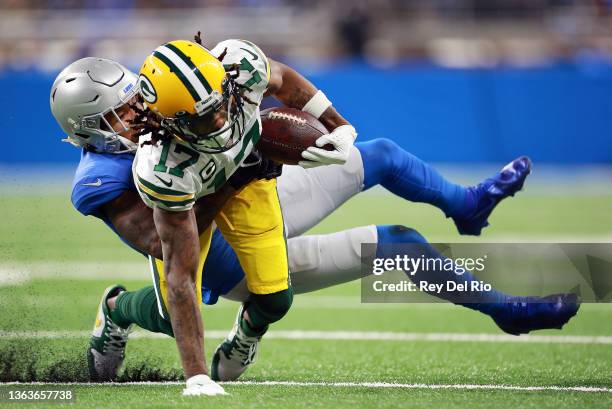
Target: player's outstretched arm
[295,91]
[180,245]
[179,240]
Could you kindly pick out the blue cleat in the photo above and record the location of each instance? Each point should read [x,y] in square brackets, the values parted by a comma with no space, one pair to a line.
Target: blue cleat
[488,194]
[520,315]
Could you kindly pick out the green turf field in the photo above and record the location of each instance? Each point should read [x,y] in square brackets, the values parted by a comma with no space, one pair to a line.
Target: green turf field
[331,350]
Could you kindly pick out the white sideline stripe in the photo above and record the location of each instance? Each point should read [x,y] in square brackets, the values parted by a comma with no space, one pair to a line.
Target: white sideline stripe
[588,389]
[350,336]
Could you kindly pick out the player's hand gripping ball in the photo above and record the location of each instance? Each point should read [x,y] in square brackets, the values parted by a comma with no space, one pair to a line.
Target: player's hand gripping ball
[342,139]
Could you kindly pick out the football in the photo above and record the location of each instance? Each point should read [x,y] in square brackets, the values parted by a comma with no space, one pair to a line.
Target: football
[287,132]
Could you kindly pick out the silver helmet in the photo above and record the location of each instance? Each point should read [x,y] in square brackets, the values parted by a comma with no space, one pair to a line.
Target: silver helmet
[84,93]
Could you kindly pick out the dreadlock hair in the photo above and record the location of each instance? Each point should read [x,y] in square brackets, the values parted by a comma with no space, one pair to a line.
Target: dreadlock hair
[147,122]
[223,54]
[198,37]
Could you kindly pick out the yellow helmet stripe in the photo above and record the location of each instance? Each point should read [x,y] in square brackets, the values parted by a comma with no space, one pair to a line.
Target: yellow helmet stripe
[192,66]
[173,68]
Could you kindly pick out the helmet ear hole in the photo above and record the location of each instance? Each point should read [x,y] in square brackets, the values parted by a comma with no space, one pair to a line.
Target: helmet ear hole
[70,80]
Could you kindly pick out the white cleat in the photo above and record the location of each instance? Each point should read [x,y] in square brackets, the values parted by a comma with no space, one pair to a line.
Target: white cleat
[106,350]
[236,353]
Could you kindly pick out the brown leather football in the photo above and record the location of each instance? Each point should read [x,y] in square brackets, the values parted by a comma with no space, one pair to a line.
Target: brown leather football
[287,132]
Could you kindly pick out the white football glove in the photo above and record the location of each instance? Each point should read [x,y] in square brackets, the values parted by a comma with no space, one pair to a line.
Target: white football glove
[342,138]
[202,385]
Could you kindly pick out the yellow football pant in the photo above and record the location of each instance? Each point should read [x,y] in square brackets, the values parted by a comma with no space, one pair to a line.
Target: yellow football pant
[252,223]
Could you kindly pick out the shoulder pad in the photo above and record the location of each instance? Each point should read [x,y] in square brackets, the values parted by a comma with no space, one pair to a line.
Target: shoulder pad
[253,63]
[99,179]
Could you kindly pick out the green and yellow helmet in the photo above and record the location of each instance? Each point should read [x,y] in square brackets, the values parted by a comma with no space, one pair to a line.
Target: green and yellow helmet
[186,86]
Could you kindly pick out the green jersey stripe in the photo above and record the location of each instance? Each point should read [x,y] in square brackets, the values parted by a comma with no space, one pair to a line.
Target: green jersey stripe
[169,204]
[218,181]
[179,74]
[191,65]
[253,135]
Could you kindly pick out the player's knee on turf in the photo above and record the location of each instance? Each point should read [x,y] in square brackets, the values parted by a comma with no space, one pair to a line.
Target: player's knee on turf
[265,309]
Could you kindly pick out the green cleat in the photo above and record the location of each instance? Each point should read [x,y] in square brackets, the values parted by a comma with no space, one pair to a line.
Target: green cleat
[237,352]
[106,349]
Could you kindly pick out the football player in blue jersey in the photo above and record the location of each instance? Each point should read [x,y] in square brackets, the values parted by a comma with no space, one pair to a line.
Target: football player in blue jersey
[99,117]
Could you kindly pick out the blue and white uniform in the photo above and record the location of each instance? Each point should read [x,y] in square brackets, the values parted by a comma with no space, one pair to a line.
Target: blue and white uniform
[320,261]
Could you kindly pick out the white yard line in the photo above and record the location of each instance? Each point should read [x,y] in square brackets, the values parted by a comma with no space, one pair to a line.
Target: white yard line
[387,385]
[350,336]
[426,386]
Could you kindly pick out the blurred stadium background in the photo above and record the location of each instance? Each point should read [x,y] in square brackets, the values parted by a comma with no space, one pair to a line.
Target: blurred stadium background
[467,84]
[459,81]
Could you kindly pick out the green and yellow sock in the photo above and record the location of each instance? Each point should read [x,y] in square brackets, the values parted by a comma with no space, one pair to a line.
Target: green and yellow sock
[140,308]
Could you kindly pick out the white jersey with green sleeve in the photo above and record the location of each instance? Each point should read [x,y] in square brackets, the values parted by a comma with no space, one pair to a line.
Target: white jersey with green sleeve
[173,175]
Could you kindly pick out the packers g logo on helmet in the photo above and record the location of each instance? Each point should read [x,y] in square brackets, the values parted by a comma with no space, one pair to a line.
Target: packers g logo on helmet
[147,90]
[186,85]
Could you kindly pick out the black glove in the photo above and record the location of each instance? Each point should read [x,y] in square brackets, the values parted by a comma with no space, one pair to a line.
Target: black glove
[269,169]
[255,166]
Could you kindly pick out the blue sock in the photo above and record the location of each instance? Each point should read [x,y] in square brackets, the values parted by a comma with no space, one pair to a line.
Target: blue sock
[483,301]
[387,164]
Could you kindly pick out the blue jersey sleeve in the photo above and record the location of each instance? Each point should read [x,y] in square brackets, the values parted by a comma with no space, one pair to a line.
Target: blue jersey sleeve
[100,178]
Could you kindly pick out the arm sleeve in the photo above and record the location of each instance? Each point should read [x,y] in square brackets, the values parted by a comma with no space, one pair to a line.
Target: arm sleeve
[87,197]
[99,179]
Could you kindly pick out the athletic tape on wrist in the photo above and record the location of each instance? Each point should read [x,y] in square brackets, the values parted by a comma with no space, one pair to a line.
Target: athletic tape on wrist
[317,104]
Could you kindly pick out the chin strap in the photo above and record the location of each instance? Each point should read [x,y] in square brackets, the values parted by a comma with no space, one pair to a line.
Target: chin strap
[72,141]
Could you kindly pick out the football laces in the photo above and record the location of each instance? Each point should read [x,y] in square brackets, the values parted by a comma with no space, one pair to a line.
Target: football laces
[286,117]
